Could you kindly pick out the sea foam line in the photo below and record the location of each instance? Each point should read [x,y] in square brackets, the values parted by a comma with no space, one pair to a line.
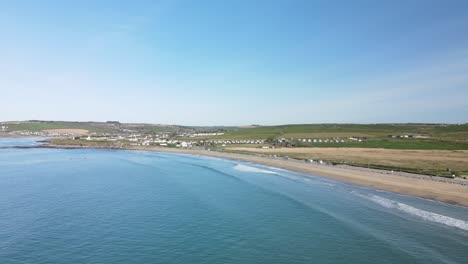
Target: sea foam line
[241,167]
[429,216]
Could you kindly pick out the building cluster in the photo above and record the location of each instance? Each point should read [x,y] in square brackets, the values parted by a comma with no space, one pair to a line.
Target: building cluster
[316,161]
[139,140]
[183,140]
[228,142]
[201,134]
[319,140]
[163,140]
[359,139]
[169,142]
[401,136]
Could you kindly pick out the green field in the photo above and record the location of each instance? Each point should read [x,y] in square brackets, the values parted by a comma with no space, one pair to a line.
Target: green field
[445,132]
[149,129]
[39,126]
[438,137]
[426,144]
[428,136]
[433,139]
[92,127]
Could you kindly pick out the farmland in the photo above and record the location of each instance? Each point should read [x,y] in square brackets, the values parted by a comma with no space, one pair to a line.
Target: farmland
[435,131]
[434,149]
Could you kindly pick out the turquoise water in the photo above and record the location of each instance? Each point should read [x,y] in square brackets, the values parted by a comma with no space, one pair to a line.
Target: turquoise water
[19,142]
[104,206]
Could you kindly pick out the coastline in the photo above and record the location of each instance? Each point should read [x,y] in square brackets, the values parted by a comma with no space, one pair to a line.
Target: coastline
[419,187]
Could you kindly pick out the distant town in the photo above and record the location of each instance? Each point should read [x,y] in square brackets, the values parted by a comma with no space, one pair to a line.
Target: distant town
[170,139]
[430,149]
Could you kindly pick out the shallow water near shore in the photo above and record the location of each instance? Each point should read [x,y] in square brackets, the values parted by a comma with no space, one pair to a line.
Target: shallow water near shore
[108,206]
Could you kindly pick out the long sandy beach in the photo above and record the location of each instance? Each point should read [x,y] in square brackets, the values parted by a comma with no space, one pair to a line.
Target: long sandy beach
[420,187]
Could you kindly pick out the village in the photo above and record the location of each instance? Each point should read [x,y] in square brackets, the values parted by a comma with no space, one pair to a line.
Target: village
[163,140]
[171,139]
[314,144]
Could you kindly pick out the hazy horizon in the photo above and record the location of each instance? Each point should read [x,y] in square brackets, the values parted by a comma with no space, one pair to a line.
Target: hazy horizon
[213,63]
[234,125]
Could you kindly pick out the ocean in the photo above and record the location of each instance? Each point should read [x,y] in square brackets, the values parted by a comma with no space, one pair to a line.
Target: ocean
[111,206]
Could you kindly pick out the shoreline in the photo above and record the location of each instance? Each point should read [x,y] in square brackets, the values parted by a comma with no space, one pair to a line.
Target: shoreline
[434,190]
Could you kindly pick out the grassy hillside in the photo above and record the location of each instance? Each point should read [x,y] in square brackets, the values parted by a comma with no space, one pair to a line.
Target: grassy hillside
[441,132]
[449,132]
[92,127]
[423,144]
[428,136]
[39,126]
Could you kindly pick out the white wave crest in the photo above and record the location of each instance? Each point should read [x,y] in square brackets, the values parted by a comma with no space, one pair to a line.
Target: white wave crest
[429,216]
[241,167]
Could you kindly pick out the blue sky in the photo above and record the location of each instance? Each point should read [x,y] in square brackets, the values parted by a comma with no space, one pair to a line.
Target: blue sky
[234,62]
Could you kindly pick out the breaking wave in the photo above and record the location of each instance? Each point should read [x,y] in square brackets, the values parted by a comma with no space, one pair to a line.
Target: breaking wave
[241,167]
[429,216]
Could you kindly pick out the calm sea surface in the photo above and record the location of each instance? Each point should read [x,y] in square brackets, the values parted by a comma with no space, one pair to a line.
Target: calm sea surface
[104,206]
